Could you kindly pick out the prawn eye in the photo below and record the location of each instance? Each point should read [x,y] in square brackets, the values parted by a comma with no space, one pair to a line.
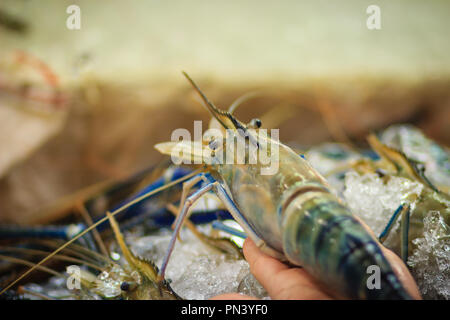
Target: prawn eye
[380,172]
[213,144]
[127,286]
[254,123]
[420,167]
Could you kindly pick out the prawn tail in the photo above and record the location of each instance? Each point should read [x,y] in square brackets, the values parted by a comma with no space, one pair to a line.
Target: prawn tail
[323,236]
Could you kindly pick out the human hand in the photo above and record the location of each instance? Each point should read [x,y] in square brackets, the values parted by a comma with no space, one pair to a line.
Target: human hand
[283,282]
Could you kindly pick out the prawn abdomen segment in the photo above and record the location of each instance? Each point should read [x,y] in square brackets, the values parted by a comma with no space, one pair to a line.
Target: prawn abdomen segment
[321,234]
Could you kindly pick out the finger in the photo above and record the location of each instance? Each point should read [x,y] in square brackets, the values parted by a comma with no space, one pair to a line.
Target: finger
[402,273]
[233,296]
[260,261]
[281,281]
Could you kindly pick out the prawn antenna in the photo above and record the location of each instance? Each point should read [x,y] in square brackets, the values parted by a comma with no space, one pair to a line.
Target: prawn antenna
[215,112]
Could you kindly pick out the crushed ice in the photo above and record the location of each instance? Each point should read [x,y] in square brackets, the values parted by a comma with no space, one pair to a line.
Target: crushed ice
[430,262]
[375,201]
[195,270]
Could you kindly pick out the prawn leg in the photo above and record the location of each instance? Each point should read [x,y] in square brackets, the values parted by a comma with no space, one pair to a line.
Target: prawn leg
[179,222]
[383,235]
[233,231]
[187,187]
[223,245]
[65,232]
[404,224]
[227,200]
[404,211]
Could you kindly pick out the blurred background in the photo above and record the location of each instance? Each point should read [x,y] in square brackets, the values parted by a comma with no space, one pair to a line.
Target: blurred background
[79,106]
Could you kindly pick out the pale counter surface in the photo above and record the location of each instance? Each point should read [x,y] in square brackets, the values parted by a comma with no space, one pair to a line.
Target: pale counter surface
[237,41]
